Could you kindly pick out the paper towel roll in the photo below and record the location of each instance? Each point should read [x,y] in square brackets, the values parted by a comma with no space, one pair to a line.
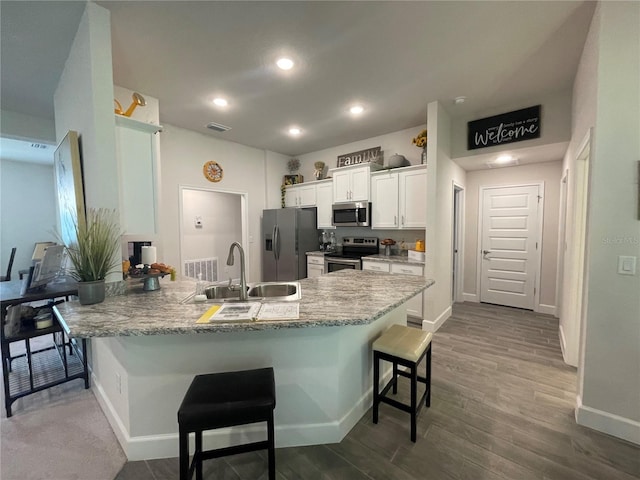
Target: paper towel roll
[148,255]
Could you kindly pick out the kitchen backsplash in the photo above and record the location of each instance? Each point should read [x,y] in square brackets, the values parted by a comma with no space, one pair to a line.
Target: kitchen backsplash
[408,236]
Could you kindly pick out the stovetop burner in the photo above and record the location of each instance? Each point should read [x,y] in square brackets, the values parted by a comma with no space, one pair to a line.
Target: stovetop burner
[356,248]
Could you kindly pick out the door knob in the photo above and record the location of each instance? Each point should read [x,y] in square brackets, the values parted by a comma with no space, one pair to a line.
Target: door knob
[484,252]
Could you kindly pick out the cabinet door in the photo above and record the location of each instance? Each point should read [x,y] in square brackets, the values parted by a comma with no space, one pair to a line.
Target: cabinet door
[384,201]
[341,186]
[324,200]
[413,199]
[360,184]
[414,305]
[306,195]
[136,154]
[291,197]
[314,270]
[375,266]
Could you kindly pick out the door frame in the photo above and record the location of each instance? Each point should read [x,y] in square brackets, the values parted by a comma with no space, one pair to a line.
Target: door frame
[244,212]
[457,234]
[540,220]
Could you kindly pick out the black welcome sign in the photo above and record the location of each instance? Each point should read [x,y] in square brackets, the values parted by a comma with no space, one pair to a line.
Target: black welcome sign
[505,128]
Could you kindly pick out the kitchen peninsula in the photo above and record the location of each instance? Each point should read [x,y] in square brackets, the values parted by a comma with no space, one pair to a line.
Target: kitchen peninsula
[146,347]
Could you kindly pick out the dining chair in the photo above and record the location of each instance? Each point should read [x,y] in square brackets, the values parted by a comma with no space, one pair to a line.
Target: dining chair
[7,277]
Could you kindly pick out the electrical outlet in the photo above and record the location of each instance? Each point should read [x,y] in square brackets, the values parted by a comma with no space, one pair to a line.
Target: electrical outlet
[198,221]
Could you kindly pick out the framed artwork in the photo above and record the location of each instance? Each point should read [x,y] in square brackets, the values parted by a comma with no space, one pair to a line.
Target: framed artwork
[67,169]
[292,179]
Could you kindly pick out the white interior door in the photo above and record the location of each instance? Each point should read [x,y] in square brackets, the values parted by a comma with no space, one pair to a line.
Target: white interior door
[509,240]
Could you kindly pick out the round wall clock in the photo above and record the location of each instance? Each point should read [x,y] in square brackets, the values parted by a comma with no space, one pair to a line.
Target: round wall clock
[212,171]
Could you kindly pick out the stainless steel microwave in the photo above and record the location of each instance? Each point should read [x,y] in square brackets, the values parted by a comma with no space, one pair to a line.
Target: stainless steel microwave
[354,214]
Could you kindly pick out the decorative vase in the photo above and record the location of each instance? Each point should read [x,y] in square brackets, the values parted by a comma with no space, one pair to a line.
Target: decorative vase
[424,156]
[91,292]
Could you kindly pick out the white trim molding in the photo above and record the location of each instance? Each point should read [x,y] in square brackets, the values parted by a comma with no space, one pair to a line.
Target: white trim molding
[548,309]
[606,422]
[429,326]
[470,297]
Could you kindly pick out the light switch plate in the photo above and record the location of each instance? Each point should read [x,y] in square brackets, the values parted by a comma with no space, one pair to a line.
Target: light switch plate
[626,265]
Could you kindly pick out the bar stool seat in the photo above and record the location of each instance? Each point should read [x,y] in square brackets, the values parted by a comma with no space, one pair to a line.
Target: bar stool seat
[221,400]
[407,347]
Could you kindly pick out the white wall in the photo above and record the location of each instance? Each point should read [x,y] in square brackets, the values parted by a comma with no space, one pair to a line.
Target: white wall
[441,175]
[585,93]
[184,152]
[555,123]
[221,226]
[609,379]
[83,102]
[391,143]
[20,125]
[27,211]
[550,174]
[275,169]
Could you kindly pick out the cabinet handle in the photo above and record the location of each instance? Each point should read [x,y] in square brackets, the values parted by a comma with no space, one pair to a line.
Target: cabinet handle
[404,270]
[395,220]
[402,220]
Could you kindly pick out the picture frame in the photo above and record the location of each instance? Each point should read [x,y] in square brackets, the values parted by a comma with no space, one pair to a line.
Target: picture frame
[292,179]
[67,170]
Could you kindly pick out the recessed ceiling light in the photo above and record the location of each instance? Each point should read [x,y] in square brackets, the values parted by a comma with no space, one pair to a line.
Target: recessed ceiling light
[459,100]
[295,131]
[221,102]
[285,63]
[356,109]
[504,159]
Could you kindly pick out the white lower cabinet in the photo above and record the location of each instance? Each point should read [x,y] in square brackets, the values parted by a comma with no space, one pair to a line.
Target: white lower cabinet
[414,305]
[315,266]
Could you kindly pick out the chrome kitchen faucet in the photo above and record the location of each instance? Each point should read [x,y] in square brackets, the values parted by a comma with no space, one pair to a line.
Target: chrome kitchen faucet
[243,278]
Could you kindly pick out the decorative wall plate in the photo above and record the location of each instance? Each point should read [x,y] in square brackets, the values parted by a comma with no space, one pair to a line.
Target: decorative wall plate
[212,171]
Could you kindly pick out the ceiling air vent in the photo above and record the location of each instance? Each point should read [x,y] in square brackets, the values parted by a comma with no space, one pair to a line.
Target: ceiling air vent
[217,127]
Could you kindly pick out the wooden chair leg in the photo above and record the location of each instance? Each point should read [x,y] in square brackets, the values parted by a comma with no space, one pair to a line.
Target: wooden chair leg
[395,377]
[428,377]
[198,455]
[272,448]
[414,400]
[376,386]
[184,454]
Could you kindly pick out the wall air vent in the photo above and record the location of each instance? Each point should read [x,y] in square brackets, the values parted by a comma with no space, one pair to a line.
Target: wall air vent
[217,127]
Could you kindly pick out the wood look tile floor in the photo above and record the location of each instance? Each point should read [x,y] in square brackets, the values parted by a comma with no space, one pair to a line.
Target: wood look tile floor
[502,408]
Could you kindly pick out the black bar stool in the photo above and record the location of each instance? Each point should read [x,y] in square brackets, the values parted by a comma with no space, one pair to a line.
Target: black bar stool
[404,346]
[220,400]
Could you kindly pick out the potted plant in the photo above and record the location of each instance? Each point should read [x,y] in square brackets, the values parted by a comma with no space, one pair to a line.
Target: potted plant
[93,254]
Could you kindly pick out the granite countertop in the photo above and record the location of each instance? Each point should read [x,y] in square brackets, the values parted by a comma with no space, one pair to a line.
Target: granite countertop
[346,297]
[393,259]
[315,253]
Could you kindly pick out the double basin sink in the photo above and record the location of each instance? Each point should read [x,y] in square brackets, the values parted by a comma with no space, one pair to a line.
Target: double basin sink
[256,292]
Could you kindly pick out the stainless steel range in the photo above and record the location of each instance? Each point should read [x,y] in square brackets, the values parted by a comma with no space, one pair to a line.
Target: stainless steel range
[353,249]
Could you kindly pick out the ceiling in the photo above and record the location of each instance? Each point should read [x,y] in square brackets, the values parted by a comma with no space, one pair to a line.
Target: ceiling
[392,57]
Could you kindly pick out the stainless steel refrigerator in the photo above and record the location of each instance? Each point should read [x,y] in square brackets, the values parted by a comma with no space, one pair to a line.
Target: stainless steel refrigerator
[287,234]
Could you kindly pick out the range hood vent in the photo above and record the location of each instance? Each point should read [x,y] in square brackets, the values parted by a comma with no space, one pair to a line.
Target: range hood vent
[217,127]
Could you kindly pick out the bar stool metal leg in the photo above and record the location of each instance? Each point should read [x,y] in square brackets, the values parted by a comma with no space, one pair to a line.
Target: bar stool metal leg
[414,399]
[272,448]
[198,455]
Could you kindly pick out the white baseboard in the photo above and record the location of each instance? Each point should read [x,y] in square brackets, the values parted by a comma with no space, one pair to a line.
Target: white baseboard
[470,297]
[151,447]
[609,423]
[429,326]
[568,359]
[547,309]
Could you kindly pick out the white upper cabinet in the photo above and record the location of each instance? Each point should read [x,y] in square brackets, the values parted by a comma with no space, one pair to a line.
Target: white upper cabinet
[303,195]
[384,200]
[136,154]
[324,201]
[351,184]
[399,198]
[413,198]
